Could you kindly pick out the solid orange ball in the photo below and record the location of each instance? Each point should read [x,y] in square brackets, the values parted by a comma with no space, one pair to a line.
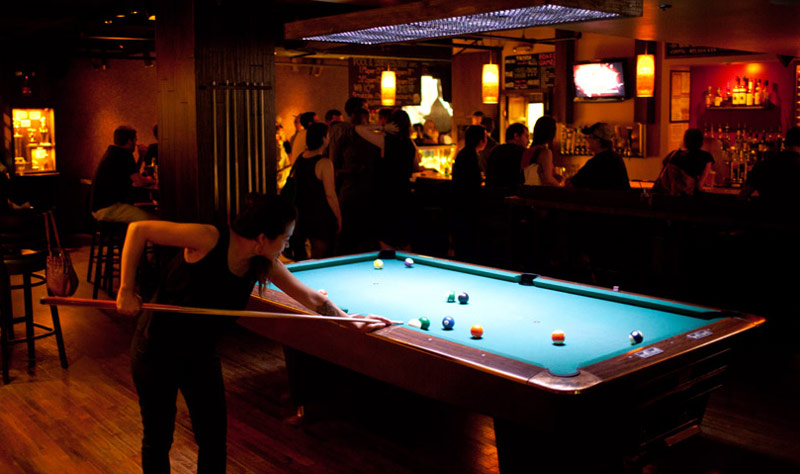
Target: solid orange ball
[477,331]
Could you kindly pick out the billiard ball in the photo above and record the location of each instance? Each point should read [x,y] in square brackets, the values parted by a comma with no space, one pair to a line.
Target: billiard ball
[448,322]
[451,298]
[415,323]
[409,262]
[463,297]
[476,331]
[378,264]
[425,322]
[323,292]
[615,288]
[558,337]
[636,337]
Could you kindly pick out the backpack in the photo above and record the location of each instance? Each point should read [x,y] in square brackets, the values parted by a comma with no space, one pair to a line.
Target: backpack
[673,180]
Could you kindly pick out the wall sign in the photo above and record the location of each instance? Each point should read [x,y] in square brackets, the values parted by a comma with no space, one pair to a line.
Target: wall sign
[529,71]
[675,50]
[365,78]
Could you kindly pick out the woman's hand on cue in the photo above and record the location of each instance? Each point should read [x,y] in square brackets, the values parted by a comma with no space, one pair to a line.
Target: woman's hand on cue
[375,322]
[128,302]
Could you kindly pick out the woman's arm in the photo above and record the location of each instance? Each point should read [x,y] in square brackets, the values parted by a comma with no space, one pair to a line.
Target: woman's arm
[545,161]
[283,279]
[368,133]
[196,239]
[325,174]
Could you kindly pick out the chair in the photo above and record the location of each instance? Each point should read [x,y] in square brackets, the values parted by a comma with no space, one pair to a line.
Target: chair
[24,252]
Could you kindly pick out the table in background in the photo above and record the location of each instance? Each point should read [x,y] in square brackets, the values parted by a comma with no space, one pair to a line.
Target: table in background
[555,406]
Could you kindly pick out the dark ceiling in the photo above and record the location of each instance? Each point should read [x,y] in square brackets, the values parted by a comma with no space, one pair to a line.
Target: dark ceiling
[122,29]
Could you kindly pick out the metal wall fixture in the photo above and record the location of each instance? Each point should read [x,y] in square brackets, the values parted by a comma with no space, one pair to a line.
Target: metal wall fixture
[239,141]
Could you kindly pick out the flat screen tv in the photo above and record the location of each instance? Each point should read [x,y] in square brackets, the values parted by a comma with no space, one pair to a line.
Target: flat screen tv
[603,80]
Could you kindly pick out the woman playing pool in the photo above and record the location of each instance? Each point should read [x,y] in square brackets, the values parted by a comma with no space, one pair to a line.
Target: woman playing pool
[217,269]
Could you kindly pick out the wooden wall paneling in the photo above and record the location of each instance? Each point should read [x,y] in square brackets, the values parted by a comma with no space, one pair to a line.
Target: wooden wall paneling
[563,93]
[229,54]
[177,113]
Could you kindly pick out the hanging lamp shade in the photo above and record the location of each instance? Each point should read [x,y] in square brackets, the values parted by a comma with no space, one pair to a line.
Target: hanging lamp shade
[388,87]
[490,83]
[645,75]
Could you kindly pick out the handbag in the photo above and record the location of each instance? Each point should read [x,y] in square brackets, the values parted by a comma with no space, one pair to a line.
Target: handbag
[59,272]
[672,180]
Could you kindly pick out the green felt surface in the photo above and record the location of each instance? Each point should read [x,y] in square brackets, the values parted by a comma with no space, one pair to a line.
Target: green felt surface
[517,320]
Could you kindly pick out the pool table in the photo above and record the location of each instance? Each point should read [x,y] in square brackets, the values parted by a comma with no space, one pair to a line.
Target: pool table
[597,395]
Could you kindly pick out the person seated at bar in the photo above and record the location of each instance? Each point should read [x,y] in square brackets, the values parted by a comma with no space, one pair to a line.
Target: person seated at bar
[430,133]
[7,199]
[537,161]
[491,143]
[777,178]
[604,170]
[115,178]
[503,165]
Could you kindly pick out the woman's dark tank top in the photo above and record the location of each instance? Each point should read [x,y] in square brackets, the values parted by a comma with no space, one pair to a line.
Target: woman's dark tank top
[312,205]
[207,283]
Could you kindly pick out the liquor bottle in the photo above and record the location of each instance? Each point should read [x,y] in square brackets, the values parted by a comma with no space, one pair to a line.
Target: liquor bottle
[709,97]
[757,93]
[718,98]
[737,92]
[749,96]
[728,100]
[765,91]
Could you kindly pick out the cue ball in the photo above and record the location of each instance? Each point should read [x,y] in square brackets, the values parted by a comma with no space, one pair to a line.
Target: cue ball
[451,298]
[463,297]
[448,322]
[415,323]
[378,264]
[424,322]
[476,331]
[636,337]
[615,288]
[409,262]
[558,337]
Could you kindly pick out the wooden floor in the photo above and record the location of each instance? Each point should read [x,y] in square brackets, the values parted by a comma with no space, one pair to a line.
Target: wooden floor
[85,419]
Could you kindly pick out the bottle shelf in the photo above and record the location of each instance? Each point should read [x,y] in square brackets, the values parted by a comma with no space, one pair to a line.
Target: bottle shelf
[740,107]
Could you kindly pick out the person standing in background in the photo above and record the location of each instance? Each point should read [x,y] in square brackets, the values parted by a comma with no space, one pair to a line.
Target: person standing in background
[299,139]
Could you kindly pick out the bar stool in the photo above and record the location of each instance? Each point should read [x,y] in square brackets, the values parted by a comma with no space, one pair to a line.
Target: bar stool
[108,249]
[24,253]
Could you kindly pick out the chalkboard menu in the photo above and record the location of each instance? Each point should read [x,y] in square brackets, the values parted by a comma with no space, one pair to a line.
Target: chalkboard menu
[365,78]
[529,71]
[675,50]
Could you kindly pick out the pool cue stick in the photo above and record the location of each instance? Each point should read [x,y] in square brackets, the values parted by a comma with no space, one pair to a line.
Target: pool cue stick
[228,147]
[235,146]
[216,145]
[248,139]
[168,308]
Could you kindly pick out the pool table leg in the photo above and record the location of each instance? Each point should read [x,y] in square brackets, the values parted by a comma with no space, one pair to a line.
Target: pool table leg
[523,449]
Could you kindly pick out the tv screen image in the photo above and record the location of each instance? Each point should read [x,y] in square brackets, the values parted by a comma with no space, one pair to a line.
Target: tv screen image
[604,80]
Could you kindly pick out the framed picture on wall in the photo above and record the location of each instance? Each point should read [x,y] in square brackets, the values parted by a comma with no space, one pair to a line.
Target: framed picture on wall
[679,96]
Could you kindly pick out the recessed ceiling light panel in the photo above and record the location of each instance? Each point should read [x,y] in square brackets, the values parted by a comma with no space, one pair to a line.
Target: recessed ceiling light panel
[526,17]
